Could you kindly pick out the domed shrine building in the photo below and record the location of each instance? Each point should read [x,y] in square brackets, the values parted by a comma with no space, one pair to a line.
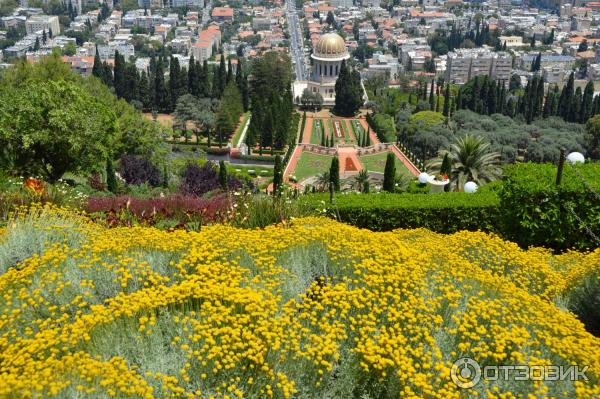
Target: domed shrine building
[327,57]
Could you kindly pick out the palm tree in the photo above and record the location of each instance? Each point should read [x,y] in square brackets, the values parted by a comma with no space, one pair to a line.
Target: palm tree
[361,181]
[471,160]
[322,181]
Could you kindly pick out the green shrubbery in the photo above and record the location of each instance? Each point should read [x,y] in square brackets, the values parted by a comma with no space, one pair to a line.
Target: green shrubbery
[444,213]
[537,212]
[526,207]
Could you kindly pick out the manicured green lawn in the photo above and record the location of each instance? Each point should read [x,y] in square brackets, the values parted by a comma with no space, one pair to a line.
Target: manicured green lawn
[238,132]
[376,163]
[311,164]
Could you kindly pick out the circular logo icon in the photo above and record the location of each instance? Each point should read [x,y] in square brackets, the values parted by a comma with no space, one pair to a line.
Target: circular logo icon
[465,373]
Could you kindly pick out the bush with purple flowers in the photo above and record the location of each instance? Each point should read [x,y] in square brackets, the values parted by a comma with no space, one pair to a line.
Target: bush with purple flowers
[199,180]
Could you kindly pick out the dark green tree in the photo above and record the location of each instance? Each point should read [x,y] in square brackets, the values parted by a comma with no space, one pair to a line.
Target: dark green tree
[389,173]
[223,175]
[348,92]
[334,174]
[111,180]
[277,175]
[587,103]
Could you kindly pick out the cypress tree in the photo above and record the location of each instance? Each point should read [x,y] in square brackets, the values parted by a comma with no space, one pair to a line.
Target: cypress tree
[566,98]
[111,180]
[119,75]
[491,98]
[575,106]
[587,103]
[144,91]
[222,78]
[446,169]
[431,98]
[389,174]
[547,105]
[277,175]
[223,174]
[368,137]
[446,109]
[174,72]
[334,174]
[45,38]
[596,106]
[161,94]
[204,86]
[97,68]
[323,138]
[348,92]
[229,77]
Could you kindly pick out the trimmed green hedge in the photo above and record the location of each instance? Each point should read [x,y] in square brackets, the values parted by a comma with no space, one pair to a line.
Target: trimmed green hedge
[537,212]
[526,207]
[443,213]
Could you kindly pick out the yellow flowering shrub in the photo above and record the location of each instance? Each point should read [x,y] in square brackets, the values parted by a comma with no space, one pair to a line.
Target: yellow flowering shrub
[313,309]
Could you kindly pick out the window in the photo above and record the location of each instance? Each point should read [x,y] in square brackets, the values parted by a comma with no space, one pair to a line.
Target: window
[330,70]
[336,70]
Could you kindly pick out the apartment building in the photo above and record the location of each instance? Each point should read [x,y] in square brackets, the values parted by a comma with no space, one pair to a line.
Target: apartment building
[37,23]
[464,64]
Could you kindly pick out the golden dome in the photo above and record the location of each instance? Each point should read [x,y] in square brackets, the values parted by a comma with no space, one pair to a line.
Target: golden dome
[330,45]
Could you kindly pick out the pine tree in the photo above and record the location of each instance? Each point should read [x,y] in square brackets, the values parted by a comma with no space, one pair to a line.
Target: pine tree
[111,180]
[446,109]
[205,88]
[242,83]
[44,37]
[323,139]
[492,100]
[389,174]
[277,175]
[334,174]
[223,174]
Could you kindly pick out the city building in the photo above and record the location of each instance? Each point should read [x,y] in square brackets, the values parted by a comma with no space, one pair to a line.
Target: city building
[37,23]
[222,14]
[464,64]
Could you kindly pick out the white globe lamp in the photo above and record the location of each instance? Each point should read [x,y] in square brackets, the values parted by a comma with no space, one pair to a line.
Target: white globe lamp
[471,187]
[423,178]
[575,157]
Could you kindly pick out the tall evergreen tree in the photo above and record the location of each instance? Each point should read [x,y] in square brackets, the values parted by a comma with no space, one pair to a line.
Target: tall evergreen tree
[229,77]
[119,75]
[111,180]
[334,174]
[389,174]
[446,109]
[277,175]
[348,92]
[575,109]
[97,68]
[174,73]
[161,93]
[205,89]
[223,179]
[144,91]
[587,103]
[431,97]
[566,98]
[242,83]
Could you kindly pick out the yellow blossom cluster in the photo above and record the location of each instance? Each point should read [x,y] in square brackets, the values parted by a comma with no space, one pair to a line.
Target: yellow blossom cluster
[312,309]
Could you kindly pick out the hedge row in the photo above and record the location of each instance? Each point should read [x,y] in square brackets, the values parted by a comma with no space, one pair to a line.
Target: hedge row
[444,213]
[526,207]
[538,212]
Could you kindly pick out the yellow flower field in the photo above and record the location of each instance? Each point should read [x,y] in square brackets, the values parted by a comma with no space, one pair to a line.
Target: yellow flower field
[314,309]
